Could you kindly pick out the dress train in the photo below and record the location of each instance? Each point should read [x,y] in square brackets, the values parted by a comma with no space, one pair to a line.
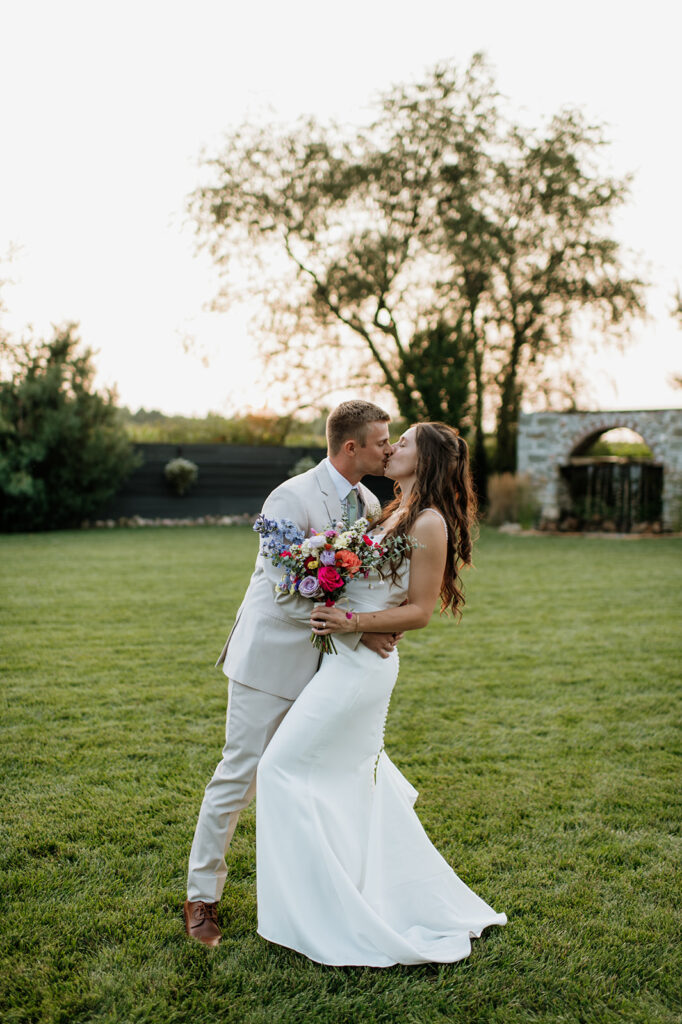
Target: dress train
[346,873]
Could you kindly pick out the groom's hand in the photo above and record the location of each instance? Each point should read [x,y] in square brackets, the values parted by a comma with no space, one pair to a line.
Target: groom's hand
[381,643]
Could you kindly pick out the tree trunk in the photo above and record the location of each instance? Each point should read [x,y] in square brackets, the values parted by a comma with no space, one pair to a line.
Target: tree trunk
[508,413]
[479,470]
[479,454]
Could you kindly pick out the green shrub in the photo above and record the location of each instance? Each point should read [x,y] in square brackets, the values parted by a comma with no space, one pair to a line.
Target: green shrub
[63,451]
[305,463]
[181,474]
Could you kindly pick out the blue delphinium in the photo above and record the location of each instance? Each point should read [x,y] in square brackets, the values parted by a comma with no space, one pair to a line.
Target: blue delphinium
[277,534]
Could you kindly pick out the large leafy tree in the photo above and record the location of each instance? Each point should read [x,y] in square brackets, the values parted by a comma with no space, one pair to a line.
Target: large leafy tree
[443,251]
[63,451]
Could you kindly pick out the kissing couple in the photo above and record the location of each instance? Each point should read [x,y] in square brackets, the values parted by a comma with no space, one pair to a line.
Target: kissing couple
[346,874]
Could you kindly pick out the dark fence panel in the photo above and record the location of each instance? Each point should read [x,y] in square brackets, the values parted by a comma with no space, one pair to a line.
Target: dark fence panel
[232,479]
[615,494]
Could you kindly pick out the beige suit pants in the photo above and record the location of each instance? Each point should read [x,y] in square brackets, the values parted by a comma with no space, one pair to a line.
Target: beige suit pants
[253,717]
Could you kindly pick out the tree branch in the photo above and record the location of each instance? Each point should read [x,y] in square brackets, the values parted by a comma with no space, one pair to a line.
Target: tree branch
[353,323]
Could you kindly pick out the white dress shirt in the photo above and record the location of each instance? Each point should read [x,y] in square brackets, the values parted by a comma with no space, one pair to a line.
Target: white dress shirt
[343,487]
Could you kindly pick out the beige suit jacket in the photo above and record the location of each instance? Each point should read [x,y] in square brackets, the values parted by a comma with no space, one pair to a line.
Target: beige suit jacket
[269,646]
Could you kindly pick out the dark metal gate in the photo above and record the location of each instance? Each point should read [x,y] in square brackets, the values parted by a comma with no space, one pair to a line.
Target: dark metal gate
[611,493]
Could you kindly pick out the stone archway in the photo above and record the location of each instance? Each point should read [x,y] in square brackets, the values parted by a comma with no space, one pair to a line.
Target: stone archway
[546,441]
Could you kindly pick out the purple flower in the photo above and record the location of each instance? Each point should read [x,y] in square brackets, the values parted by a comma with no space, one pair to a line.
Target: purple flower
[309,587]
[327,557]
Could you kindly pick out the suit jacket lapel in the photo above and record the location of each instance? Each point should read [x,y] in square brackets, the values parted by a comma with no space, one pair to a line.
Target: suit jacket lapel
[329,494]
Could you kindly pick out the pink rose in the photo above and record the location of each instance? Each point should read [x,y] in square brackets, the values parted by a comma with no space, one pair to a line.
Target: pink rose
[329,578]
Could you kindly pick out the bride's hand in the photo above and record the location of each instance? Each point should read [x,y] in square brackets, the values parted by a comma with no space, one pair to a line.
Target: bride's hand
[325,620]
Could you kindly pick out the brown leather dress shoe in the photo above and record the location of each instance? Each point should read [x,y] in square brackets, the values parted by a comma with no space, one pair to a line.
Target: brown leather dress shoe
[201,922]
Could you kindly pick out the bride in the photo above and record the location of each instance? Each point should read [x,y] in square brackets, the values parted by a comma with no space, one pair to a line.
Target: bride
[346,874]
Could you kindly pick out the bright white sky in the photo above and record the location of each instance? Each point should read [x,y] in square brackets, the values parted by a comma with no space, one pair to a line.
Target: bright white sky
[106,106]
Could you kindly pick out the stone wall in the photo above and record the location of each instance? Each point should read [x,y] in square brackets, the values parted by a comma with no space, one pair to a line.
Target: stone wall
[547,440]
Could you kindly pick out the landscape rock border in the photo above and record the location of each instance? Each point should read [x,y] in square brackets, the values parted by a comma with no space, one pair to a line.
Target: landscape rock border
[136,522]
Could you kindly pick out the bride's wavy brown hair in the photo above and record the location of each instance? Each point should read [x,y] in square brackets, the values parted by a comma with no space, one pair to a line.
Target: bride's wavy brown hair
[443,481]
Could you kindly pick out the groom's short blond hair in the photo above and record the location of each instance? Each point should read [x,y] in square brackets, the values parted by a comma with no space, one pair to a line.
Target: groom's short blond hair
[349,421]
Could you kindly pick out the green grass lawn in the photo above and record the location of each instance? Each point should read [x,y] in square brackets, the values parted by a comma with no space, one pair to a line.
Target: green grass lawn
[542,733]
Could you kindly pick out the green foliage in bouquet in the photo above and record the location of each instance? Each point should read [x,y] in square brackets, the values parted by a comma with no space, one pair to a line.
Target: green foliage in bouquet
[63,451]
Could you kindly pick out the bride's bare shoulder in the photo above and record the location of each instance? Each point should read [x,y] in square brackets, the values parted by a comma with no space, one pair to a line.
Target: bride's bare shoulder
[433,515]
[430,529]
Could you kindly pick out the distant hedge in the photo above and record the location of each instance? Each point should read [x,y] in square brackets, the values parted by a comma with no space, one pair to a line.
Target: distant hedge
[154,427]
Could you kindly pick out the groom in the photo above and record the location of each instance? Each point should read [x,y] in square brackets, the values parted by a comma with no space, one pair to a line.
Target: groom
[268,655]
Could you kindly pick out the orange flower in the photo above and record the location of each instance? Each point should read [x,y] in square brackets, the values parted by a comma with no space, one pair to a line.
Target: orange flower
[348,560]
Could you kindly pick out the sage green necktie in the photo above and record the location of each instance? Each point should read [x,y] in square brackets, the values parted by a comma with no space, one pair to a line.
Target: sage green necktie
[352,506]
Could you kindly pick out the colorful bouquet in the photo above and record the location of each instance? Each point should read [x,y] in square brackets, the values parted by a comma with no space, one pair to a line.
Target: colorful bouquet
[321,566]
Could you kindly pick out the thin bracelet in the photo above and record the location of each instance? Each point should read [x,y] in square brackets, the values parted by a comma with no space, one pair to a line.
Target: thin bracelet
[357,622]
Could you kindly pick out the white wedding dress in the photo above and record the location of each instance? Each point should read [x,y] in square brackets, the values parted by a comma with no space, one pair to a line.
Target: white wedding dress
[346,874]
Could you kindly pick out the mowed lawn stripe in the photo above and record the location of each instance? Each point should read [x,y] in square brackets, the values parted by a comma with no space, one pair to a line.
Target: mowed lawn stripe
[543,733]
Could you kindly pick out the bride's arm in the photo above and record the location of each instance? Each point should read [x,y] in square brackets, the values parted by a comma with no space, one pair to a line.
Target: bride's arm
[427,565]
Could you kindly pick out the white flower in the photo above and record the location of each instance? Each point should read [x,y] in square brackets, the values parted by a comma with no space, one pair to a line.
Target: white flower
[318,541]
[343,540]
